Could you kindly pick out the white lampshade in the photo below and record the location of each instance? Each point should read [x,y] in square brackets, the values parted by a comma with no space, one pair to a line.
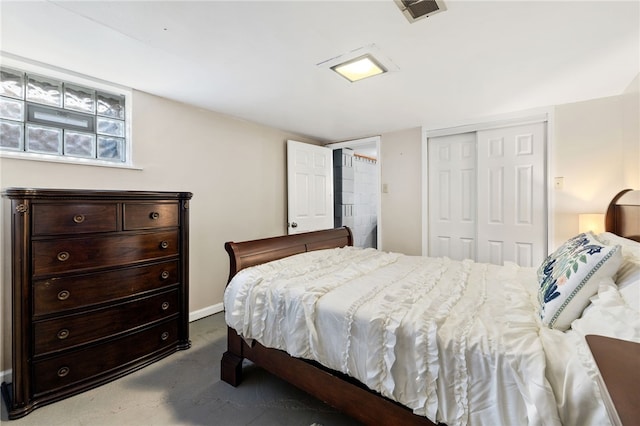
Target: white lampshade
[593,222]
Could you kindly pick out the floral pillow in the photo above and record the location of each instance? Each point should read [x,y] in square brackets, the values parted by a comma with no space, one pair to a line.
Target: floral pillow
[571,275]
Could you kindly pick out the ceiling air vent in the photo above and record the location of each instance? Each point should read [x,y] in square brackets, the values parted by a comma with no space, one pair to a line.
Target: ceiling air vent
[418,9]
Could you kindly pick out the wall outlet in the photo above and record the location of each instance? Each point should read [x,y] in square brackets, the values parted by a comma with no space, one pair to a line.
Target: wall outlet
[558,182]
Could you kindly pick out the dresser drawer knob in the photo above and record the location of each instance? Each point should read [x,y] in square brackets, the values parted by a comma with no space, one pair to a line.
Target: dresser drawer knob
[79,218]
[63,256]
[165,335]
[164,275]
[154,215]
[165,306]
[63,371]
[63,334]
[63,295]
[164,244]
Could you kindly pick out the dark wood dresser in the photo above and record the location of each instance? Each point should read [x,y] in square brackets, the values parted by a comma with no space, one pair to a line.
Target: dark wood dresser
[99,288]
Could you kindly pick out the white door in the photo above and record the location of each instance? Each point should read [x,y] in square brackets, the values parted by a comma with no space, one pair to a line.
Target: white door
[452,196]
[310,187]
[487,195]
[512,219]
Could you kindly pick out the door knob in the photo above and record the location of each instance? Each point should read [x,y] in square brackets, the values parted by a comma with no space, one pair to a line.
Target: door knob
[294,225]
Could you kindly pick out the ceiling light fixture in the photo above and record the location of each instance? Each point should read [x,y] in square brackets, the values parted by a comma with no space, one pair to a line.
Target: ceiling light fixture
[359,68]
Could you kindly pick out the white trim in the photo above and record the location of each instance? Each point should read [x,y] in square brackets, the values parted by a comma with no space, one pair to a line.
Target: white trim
[366,141]
[354,142]
[6,376]
[514,119]
[20,155]
[205,312]
[506,120]
[424,189]
[551,168]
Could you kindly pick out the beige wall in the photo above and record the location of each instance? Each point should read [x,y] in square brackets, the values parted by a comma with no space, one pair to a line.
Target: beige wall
[400,163]
[597,152]
[235,169]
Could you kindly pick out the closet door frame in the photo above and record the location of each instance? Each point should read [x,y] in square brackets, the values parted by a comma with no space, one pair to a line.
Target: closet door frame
[519,118]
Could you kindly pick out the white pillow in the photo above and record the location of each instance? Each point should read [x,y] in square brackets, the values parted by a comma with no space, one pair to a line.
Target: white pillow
[630,248]
[571,275]
[628,276]
[609,315]
[628,282]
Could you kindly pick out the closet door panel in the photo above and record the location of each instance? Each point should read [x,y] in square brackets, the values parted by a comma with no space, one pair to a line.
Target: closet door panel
[511,195]
[495,195]
[452,195]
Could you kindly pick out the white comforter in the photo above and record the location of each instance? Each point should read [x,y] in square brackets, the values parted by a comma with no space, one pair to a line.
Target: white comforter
[457,342]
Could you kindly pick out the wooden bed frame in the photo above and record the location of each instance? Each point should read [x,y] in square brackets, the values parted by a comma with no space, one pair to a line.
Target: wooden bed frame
[334,388]
[623,215]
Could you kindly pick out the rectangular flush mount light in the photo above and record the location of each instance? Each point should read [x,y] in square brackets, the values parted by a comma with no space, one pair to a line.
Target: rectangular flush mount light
[359,68]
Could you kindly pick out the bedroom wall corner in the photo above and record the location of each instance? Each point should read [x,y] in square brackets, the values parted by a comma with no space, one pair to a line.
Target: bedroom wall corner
[631,133]
[596,152]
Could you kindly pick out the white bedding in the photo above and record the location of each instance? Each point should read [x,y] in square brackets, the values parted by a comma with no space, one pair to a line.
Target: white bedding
[457,342]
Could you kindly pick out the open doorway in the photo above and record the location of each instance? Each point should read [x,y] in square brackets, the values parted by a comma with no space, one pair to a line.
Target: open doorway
[356,177]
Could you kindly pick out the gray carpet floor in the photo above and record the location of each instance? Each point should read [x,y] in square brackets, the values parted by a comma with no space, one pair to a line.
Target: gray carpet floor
[185,389]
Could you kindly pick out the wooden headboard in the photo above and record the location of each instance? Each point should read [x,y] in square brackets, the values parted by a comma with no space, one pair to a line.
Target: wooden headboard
[623,215]
[254,252]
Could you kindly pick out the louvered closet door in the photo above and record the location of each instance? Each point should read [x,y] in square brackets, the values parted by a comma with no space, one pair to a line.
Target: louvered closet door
[452,196]
[511,195]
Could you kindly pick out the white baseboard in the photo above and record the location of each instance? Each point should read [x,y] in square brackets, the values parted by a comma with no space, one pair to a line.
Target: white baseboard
[5,376]
[205,312]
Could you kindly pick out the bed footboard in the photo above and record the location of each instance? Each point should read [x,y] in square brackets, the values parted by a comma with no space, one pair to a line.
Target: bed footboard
[331,387]
[336,389]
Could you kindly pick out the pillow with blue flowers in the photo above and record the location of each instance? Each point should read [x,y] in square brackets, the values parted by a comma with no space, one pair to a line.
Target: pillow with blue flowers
[571,275]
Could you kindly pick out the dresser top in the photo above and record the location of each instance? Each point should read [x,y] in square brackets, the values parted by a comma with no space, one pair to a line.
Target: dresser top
[65,194]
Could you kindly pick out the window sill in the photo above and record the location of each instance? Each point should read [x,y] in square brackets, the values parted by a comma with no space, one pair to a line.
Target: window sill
[66,160]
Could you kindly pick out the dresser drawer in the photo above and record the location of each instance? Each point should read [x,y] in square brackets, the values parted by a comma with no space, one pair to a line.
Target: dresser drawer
[79,365]
[55,219]
[150,215]
[72,254]
[59,294]
[73,330]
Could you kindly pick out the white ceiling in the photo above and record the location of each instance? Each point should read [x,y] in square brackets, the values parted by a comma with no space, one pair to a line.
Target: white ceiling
[259,60]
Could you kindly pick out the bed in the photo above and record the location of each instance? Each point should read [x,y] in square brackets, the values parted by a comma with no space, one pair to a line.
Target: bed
[455,354]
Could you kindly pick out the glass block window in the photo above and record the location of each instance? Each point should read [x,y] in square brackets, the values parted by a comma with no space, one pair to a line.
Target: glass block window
[44,115]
